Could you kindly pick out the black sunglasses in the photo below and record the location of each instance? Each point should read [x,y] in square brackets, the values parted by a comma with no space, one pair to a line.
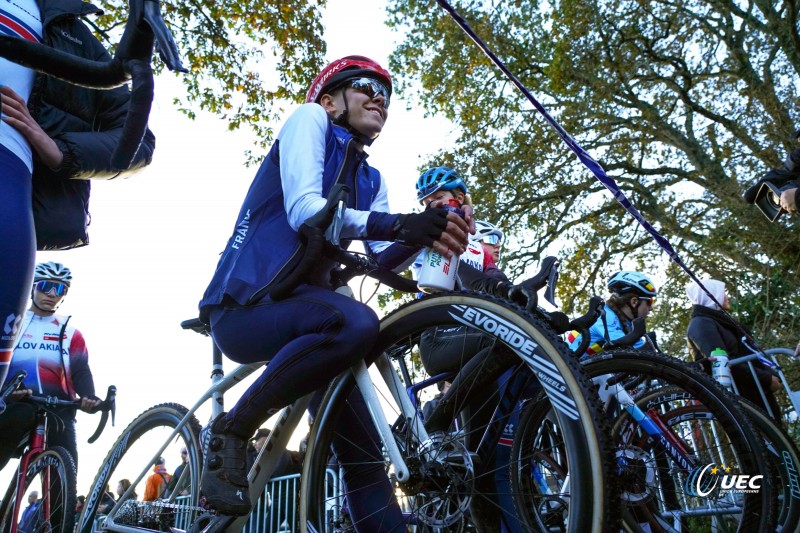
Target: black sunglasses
[370,87]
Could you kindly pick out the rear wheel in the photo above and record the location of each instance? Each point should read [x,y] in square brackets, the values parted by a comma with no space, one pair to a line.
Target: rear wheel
[540,467]
[441,489]
[132,454]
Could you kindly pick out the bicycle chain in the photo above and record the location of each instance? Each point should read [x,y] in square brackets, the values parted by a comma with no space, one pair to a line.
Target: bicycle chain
[158,505]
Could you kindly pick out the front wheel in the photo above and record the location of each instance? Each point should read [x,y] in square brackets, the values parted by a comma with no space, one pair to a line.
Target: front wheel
[52,475]
[445,476]
[132,454]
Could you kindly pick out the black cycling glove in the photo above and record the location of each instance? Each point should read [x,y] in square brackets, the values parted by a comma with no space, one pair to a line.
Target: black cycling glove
[420,229]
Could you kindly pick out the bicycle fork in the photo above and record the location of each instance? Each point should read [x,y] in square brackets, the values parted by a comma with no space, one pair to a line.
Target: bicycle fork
[367,389]
[36,445]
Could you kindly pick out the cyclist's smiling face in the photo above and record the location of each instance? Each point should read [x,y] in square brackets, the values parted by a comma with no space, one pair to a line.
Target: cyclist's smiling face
[365,114]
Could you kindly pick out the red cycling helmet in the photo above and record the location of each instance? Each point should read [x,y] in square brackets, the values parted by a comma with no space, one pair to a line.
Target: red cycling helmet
[341,70]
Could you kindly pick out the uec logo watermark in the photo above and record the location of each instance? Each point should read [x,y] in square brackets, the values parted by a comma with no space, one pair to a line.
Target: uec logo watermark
[711,481]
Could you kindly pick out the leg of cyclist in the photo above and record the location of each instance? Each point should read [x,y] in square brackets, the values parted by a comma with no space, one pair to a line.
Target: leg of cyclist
[449,349]
[308,339]
[63,434]
[482,370]
[17,252]
[357,449]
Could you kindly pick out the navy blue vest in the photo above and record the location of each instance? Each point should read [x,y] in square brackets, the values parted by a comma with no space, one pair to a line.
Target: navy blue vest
[263,247]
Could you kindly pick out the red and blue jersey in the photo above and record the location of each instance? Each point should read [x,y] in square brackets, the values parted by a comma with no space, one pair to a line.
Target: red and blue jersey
[55,358]
[20,19]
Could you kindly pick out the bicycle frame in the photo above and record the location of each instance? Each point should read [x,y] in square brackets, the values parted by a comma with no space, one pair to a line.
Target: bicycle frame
[288,420]
[650,422]
[793,395]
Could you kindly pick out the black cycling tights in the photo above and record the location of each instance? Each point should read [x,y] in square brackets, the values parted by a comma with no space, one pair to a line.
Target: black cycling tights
[17,250]
[308,339]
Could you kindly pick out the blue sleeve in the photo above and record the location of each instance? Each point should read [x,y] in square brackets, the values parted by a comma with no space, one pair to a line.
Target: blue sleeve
[396,255]
[615,330]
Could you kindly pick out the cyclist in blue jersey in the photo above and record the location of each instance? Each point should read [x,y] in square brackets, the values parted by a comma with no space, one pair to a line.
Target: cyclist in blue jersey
[449,349]
[315,333]
[632,296]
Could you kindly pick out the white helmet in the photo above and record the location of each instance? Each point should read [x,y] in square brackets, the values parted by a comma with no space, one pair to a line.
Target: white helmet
[52,271]
[488,231]
[630,281]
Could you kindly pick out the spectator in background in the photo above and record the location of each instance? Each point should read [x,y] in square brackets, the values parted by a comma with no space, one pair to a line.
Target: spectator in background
[30,516]
[291,462]
[181,486]
[80,501]
[106,502]
[157,482]
[54,133]
[712,328]
[790,198]
[122,486]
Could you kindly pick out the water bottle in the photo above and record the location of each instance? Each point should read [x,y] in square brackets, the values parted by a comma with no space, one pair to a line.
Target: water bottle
[720,369]
[438,273]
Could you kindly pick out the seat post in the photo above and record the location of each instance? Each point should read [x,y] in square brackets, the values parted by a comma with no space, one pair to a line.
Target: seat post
[218,399]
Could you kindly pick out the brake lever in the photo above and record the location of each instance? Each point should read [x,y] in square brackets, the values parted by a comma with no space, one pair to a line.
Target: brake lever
[13,384]
[106,406]
[552,282]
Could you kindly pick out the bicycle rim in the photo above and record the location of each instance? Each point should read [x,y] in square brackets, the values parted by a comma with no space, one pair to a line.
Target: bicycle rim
[444,474]
[131,454]
[671,495]
[51,474]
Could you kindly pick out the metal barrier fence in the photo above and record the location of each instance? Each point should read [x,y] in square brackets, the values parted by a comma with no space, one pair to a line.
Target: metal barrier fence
[275,512]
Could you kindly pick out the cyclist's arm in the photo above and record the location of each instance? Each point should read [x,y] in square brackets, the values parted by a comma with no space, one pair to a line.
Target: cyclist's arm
[302,159]
[472,278]
[390,255]
[81,374]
